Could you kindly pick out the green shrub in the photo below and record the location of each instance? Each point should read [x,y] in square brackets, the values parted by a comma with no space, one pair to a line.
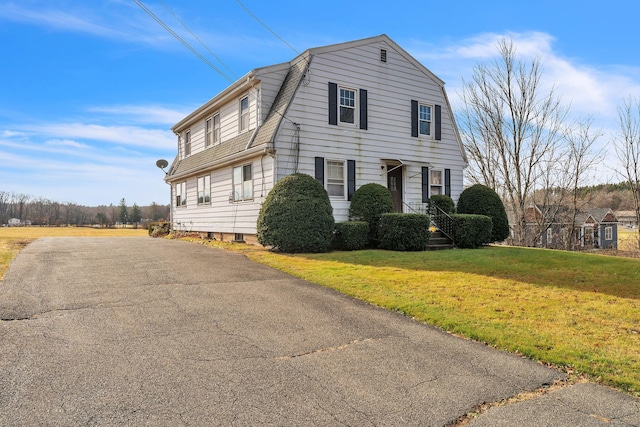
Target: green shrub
[404,232]
[444,202]
[481,200]
[350,236]
[159,229]
[296,216]
[368,204]
[472,231]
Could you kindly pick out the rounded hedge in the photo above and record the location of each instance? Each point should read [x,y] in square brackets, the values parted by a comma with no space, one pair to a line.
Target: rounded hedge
[482,200]
[404,232]
[350,236]
[444,202]
[296,216]
[368,203]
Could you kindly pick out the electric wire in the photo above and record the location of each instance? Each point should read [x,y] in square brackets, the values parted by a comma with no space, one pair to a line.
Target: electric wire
[197,38]
[181,40]
[266,26]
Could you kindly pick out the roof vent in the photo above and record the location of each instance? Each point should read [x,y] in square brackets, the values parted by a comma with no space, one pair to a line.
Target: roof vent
[383,55]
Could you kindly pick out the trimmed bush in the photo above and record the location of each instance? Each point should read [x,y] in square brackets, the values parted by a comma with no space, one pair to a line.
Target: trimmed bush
[472,231]
[296,216]
[404,232]
[159,229]
[351,236]
[444,202]
[368,204]
[481,200]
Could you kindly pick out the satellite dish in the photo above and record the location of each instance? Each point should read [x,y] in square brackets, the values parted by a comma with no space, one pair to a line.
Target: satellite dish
[162,163]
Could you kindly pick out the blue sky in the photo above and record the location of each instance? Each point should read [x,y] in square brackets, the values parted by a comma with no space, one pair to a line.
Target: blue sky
[89,89]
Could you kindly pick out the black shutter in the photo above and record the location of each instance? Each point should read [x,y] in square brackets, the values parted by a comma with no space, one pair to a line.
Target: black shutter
[447,182]
[320,170]
[414,118]
[363,109]
[333,103]
[438,120]
[425,185]
[351,178]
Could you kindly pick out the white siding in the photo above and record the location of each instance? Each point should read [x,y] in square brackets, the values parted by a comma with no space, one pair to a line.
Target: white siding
[223,215]
[390,86]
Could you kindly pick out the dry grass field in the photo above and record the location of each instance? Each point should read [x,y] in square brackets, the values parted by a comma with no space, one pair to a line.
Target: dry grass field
[13,239]
[627,240]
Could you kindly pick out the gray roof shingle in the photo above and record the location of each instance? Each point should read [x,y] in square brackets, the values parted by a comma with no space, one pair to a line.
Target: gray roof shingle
[211,157]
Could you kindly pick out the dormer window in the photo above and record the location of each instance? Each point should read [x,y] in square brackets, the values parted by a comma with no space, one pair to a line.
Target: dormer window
[244,114]
[187,143]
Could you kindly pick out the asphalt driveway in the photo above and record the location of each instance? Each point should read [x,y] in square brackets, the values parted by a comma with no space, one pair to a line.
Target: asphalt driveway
[141,331]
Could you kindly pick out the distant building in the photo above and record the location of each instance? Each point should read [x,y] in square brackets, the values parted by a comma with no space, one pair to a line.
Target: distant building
[593,229]
[627,218]
[14,222]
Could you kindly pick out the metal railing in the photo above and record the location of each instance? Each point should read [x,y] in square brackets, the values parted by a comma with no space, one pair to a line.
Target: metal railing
[439,218]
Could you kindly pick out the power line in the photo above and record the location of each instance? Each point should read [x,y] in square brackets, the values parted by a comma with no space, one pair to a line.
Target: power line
[197,38]
[267,27]
[181,40]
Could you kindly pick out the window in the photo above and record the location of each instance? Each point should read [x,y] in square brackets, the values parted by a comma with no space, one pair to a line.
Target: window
[335,178]
[347,105]
[549,236]
[216,129]
[424,119]
[187,143]
[181,194]
[244,114]
[242,183]
[204,189]
[608,233]
[208,132]
[436,182]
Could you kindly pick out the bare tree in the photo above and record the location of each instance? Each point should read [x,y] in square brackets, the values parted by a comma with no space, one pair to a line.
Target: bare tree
[581,158]
[627,146]
[511,130]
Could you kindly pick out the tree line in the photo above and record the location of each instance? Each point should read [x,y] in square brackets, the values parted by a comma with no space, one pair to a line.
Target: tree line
[46,212]
[522,144]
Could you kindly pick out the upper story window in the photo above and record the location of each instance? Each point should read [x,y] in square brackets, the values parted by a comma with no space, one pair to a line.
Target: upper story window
[181,193]
[424,119]
[204,189]
[242,182]
[347,105]
[208,132]
[187,143]
[244,114]
[216,129]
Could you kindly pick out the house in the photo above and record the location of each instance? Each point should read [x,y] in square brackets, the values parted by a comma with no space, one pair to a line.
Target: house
[14,222]
[627,218]
[592,229]
[347,114]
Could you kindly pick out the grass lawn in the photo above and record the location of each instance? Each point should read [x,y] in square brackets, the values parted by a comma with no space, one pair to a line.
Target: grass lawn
[13,239]
[580,312]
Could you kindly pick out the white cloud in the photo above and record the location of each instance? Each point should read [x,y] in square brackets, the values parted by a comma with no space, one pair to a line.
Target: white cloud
[144,113]
[125,135]
[65,143]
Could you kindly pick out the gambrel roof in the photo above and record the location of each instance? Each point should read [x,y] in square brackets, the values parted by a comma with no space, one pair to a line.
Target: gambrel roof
[262,138]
